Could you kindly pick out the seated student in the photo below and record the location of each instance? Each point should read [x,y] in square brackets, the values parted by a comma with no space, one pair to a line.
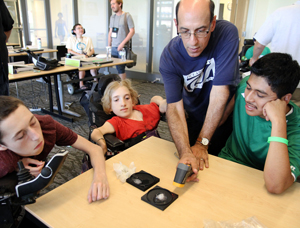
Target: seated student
[31,138]
[79,45]
[131,120]
[266,124]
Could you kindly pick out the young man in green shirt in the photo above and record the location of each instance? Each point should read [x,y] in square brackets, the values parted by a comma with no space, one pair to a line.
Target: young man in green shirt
[266,124]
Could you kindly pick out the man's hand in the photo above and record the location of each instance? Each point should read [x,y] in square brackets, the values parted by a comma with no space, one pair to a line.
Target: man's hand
[190,159]
[99,189]
[275,110]
[120,47]
[37,167]
[201,154]
[252,61]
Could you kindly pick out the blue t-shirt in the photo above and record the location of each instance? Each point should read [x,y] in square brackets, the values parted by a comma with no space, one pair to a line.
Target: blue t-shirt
[191,78]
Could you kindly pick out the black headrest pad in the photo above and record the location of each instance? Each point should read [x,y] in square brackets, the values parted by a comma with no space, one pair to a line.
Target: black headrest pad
[105,80]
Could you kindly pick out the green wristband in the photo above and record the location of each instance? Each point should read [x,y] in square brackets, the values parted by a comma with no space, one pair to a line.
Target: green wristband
[278,139]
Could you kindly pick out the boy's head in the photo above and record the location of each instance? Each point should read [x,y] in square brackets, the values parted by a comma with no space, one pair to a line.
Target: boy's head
[20,131]
[118,97]
[274,76]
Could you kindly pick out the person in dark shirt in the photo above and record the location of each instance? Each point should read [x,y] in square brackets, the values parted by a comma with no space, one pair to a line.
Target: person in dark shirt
[6,25]
[31,138]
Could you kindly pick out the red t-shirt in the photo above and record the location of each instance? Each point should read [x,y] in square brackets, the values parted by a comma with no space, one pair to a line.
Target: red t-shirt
[127,128]
[53,132]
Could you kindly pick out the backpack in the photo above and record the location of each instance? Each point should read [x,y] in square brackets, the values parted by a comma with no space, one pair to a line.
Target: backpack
[42,63]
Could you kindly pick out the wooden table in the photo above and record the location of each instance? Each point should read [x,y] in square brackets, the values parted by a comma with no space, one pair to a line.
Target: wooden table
[226,191]
[12,44]
[45,50]
[27,75]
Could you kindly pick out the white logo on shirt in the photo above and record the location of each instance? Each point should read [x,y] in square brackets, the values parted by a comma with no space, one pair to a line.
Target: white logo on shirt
[293,168]
[195,80]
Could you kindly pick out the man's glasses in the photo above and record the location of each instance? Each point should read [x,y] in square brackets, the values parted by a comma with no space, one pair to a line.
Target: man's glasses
[198,33]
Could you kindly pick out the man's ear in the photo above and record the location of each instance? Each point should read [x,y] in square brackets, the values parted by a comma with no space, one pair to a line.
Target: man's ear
[213,24]
[175,21]
[287,98]
[2,147]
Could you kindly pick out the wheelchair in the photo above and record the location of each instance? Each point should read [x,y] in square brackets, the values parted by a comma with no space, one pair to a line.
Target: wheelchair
[21,188]
[91,102]
[244,64]
[73,87]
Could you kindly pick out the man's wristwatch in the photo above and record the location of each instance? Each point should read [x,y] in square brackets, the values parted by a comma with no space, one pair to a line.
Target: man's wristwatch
[204,141]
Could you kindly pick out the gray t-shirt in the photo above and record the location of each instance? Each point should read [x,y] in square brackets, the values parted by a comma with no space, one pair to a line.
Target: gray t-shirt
[120,23]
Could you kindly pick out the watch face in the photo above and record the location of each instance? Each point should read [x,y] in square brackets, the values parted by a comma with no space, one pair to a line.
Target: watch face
[205,141]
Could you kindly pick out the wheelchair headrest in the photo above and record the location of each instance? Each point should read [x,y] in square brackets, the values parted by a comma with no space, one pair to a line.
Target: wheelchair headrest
[248,42]
[104,81]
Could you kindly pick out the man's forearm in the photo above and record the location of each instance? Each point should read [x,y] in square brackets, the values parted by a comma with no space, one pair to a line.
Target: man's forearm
[129,36]
[257,50]
[217,103]
[7,35]
[178,127]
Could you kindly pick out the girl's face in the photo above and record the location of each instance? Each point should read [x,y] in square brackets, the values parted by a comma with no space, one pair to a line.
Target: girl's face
[121,102]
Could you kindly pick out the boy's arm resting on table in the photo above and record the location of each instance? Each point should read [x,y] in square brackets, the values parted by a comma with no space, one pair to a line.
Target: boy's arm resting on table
[277,171]
[162,103]
[100,187]
[217,102]
[98,133]
[178,128]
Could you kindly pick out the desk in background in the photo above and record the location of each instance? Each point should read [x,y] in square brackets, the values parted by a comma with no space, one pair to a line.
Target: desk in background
[26,75]
[45,50]
[226,191]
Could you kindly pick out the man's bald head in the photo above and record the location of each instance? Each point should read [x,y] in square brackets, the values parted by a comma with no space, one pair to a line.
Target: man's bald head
[194,4]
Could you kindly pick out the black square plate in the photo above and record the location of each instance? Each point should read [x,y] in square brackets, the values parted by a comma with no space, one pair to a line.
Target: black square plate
[159,197]
[142,180]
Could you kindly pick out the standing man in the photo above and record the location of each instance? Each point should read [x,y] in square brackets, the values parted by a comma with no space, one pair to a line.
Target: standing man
[121,30]
[285,19]
[200,73]
[6,25]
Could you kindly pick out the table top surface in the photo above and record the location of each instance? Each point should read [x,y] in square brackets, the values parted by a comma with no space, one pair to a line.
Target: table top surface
[31,74]
[12,44]
[45,50]
[115,62]
[226,191]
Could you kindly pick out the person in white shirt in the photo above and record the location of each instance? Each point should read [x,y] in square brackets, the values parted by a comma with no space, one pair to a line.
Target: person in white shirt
[281,29]
[79,45]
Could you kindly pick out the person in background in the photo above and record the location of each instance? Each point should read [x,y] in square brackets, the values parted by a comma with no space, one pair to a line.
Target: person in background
[249,52]
[6,25]
[81,46]
[281,29]
[60,28]
[32,138]
[121,30]
[200,70]
[266,124]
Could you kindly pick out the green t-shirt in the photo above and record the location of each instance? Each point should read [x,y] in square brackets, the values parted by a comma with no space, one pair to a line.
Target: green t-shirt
[249,52]
[248,144]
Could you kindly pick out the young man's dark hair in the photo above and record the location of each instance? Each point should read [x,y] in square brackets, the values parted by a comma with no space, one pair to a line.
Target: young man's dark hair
[211,8]
[283,79]
[8,105]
